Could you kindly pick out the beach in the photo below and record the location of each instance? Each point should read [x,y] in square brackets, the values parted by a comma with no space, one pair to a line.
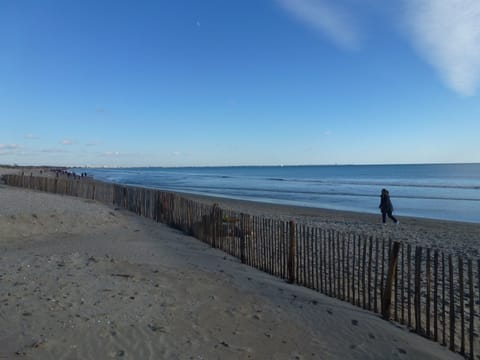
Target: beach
[83,280]
[459,238]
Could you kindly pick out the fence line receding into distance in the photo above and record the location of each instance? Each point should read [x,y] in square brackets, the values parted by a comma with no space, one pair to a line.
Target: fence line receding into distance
[433,293]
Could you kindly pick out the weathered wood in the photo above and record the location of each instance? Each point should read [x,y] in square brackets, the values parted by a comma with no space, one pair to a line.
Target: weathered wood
[264,245]
[359,274]
[452,303]
[444,300]
[278,251]
[317,260]
[242,239]
[308,258]
[292,254]
[325,262]
[339,263]
[364,280]
[348,269]
[353,269]
[435,295]
[313,257]
[321,263]
[402,286]
[344,270]
[462,305]
[256,247]
[471,326]
[409,285]
[369,278]
[427,275]
[375,286]
[395,298]
[382,278]
[304,255]
[417,303]
[392,267]
[330,263]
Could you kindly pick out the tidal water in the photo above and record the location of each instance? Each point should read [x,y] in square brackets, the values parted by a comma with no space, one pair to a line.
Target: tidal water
[437,191]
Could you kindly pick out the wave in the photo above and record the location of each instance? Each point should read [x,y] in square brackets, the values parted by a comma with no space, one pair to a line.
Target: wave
[353,179]
[245,191]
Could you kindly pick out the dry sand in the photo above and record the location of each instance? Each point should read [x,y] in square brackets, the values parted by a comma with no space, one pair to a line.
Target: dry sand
[80,280]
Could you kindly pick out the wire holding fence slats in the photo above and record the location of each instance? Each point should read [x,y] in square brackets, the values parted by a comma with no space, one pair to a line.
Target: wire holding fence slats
[350,267]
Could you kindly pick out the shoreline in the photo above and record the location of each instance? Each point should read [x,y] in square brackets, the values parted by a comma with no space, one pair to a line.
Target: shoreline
[460,238]
[455,237]
[85,280]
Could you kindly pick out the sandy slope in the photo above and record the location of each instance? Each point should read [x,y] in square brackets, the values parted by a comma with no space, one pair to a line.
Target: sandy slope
[79,280]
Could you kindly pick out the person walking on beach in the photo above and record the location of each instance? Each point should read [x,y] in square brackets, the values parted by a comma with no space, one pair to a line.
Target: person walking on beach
[386,207]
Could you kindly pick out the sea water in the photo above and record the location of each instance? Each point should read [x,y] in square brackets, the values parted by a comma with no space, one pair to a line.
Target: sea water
[438,191]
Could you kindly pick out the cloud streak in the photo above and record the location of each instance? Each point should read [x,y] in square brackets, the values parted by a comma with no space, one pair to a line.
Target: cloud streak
[334,22]
[447,35]
[8,149]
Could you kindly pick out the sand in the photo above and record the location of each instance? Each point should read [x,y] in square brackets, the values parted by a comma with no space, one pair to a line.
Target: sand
[81,280]
[460,238]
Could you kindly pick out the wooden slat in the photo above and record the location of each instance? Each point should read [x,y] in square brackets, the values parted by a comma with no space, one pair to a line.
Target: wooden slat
[369,277]
[392,268]
[409,285]
[435,295]
[452,303]
[471,326]
[375,286]
[462,305]
[417,303]
[427,275]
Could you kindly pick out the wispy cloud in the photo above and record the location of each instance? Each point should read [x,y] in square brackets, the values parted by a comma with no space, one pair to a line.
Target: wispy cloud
[9,146]
[447,35]
[326,17]
[92,143]
[7,149]
[66,142]
[31,137]
[111,153]
[53,150]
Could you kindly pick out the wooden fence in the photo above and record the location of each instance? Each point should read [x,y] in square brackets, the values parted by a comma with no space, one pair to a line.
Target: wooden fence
[433,293]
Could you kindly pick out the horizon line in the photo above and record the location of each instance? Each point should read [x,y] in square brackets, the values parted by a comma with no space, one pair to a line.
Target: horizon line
[234,166]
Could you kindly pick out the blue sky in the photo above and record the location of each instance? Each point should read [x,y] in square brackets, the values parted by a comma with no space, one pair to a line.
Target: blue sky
[251,82]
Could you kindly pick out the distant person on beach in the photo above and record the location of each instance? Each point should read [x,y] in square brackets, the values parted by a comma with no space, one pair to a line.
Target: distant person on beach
[386,207]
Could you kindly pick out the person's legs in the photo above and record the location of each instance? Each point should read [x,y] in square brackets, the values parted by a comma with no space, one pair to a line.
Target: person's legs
[392,217]
[384,217]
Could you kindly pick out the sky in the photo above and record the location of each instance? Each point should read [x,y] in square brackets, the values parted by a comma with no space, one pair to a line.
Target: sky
[239,82]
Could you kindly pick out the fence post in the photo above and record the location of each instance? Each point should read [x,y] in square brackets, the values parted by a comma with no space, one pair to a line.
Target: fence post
[392,267]
[242,238]
[292,254]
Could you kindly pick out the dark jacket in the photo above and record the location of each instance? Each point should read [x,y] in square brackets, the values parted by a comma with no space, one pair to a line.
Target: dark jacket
[385,204]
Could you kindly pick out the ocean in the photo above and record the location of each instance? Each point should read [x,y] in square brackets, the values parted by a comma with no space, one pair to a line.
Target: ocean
[437,191]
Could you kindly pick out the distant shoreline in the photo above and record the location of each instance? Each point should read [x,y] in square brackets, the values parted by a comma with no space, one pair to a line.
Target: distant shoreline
[462,238]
